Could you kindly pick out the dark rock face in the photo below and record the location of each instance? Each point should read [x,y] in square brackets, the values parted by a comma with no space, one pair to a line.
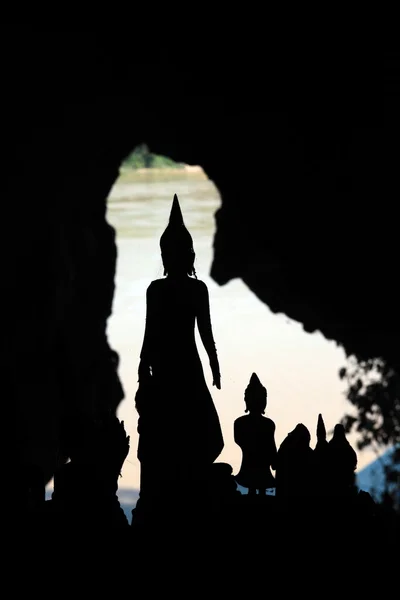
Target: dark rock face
[305,158]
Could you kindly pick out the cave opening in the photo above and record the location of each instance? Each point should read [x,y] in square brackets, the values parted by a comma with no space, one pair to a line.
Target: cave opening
[249,336]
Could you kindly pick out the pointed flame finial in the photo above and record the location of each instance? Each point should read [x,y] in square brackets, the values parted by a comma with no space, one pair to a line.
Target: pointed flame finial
[321,431]
[176,237]
[255,395]
[255,386]
[175,216]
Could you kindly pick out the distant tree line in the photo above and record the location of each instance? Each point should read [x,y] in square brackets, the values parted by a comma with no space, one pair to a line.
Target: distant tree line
[142,158]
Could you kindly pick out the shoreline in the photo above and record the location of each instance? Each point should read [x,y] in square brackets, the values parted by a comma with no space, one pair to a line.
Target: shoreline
[127,173]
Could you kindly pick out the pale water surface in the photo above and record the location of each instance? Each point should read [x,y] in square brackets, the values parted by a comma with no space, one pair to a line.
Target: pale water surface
[299,370]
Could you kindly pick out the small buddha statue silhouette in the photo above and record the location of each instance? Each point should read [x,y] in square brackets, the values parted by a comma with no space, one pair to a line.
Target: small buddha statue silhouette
[321,458]
[179,429]
[342,460]
[295,467]
[322,443]
[255,434]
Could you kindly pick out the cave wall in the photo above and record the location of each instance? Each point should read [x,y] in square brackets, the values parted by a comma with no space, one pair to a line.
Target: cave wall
[305,159]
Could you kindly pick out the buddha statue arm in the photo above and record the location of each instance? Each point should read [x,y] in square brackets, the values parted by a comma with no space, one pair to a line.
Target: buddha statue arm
[145,354]
[274,452]
[206,334]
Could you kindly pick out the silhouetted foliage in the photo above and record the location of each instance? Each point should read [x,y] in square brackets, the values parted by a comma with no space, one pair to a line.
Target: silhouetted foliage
[142,158]
[374,391]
